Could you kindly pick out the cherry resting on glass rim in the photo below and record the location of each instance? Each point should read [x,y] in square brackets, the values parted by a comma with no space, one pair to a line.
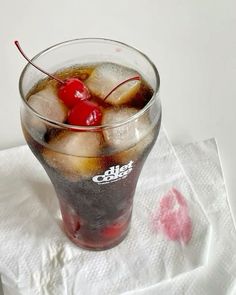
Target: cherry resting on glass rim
[96,216]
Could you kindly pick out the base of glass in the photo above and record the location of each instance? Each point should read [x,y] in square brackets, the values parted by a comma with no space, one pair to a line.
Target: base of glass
[99,246]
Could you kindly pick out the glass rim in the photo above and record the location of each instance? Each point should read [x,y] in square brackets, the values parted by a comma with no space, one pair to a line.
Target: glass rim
[89,128]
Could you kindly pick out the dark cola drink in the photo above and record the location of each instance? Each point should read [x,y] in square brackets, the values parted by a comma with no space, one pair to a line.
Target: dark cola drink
[94,169]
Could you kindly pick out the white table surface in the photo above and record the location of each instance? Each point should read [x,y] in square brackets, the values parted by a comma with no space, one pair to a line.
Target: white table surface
[192,42]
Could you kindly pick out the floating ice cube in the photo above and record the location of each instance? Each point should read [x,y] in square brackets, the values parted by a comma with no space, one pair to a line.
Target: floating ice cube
[75,154]
[47,104]
[126,135]
[133,153]
[107,76]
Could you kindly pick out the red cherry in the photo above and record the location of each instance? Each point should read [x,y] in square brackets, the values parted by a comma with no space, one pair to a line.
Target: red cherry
[113,230]
[72,222]
[72,91]
[85,113]
[71,219]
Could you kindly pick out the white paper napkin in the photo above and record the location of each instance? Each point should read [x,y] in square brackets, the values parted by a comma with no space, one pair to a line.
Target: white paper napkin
[37,258]
[218,277]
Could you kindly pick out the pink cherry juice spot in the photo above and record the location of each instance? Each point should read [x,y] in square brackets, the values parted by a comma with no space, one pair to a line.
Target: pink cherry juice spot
[172,217]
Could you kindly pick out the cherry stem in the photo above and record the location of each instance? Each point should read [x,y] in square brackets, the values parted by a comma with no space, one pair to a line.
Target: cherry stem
[41,70]
[128,80]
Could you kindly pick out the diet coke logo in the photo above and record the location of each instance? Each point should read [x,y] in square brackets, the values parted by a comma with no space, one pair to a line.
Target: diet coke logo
[114,173]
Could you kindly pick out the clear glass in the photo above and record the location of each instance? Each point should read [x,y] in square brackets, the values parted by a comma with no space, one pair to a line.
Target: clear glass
[95,189]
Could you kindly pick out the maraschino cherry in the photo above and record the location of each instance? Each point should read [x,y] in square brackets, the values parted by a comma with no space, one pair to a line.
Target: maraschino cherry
[113,230]
[85,113]
[70,91]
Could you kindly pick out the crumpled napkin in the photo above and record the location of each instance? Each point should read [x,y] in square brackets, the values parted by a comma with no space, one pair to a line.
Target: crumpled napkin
[170,232]
[218,277]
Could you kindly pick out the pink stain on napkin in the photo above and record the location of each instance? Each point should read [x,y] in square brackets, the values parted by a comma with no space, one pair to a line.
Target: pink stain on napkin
[172,217]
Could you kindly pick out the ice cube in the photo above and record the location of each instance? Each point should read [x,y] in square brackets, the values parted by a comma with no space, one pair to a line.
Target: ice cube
[47,104]
[75,154]
[107,76]
[128,134]
[134,152]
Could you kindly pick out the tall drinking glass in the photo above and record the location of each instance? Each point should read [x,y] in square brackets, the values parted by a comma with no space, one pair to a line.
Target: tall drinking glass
[94,182]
